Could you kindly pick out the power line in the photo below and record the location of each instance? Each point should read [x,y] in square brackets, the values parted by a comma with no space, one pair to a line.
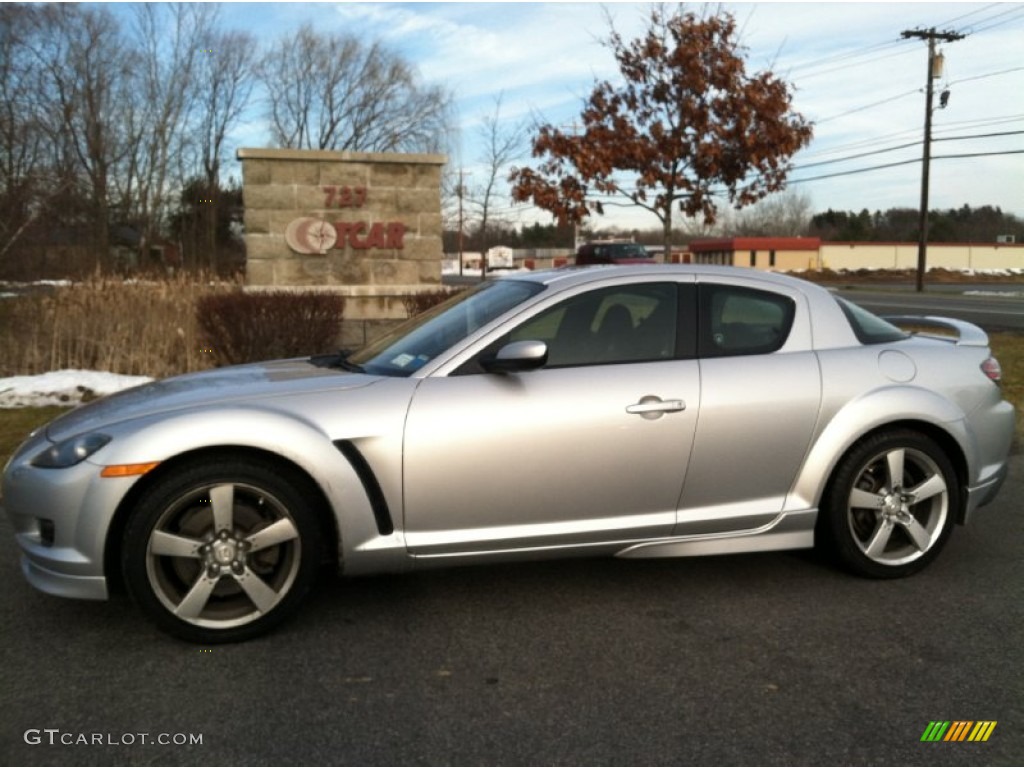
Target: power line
[822,66]
[979,136]
[946,127]
[998,120]
[856,171]
[868,106]
[828,60]
[979,154]
[856,157]
[986,75]
[904,146]
[899,96]
[969,14]
[845,67]
[1016,11]
[853,172]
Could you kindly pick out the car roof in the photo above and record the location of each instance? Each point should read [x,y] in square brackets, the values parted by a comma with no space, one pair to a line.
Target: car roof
[565,277]
[831,329]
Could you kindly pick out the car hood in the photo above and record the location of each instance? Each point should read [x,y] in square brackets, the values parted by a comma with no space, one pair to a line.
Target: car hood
[195,390]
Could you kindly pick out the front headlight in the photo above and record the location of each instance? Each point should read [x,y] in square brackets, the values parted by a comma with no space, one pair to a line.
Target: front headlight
[71,451]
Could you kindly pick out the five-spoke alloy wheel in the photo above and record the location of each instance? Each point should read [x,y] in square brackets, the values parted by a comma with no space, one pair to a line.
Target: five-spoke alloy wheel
[891,505]
[220,551]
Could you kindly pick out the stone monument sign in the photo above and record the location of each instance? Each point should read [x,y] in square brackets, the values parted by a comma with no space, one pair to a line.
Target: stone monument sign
[365,225]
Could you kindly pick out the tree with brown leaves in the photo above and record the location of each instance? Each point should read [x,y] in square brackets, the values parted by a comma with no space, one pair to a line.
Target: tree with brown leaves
[687,125]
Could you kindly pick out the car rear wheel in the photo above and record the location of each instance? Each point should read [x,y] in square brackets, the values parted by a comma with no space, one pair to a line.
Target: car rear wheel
[222,551]
[891,505]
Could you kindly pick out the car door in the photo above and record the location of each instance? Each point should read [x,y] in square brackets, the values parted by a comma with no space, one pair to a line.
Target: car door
[761,393]
[590,448]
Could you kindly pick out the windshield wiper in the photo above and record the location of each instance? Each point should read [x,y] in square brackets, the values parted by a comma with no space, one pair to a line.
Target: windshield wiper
[337,359]
[343,363]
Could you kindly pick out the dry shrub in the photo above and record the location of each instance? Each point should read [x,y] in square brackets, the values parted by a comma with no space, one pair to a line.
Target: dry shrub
[417,303]
[245,327]
[131,327]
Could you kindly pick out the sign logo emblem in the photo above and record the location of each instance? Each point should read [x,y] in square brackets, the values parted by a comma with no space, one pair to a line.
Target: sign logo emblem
[309,235]
[958,730]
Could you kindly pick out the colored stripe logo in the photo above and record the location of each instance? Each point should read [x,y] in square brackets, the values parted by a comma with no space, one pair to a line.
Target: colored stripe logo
[958,730]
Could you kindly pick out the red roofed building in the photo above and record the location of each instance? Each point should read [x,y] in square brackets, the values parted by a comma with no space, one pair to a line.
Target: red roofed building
[773,253]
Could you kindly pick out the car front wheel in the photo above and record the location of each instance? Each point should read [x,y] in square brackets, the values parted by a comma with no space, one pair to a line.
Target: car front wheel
[221,551]
[891,505]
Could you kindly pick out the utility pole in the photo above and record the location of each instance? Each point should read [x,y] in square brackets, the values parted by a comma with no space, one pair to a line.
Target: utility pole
[922,227]
[461,192]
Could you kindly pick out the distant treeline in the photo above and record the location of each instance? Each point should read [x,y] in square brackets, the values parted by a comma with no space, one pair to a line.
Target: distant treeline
[956,225]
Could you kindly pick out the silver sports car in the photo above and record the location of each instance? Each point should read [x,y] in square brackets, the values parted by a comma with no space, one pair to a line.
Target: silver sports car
[654,411]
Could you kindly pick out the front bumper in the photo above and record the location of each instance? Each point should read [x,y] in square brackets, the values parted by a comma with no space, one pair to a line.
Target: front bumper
[58,583]
[61,518]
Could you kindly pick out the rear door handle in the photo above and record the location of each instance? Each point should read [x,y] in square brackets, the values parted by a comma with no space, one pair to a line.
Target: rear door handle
[652,407]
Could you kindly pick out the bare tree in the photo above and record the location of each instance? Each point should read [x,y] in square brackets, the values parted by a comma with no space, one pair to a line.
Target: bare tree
[332,91]
[86,65]
[503,143]
[170,42]
[785,214]
[21,141]
[225,79]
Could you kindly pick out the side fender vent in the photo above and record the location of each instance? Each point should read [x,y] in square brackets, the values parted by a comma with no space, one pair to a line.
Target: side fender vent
[381,513]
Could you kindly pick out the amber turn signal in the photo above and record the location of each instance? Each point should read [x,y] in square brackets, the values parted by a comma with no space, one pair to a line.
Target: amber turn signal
[127,470]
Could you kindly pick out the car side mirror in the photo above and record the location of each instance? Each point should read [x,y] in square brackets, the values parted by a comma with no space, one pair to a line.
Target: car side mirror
[516,357]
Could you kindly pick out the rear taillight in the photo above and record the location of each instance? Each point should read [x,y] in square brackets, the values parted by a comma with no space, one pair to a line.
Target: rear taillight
[992,369]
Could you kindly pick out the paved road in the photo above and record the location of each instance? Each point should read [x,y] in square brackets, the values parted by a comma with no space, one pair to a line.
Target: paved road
[992,311]
[757,659]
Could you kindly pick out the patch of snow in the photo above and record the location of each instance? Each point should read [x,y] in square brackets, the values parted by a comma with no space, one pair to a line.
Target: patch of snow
[1012,294]
[65,387]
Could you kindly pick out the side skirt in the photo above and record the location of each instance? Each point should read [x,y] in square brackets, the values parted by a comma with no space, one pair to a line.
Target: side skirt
[790,530]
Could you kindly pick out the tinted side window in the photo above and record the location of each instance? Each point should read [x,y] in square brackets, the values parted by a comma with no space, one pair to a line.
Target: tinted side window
[868,328]
[742,321]
[625,324]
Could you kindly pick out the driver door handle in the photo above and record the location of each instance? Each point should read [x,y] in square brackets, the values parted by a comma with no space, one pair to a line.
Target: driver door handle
[651,407]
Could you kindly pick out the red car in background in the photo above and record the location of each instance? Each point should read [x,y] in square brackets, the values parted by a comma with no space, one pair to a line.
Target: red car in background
[612,253]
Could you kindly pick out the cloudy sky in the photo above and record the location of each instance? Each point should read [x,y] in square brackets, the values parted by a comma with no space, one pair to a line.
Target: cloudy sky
[855,77]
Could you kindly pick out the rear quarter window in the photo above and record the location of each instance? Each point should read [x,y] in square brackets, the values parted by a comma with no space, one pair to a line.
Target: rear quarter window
[867,327]
[743,321]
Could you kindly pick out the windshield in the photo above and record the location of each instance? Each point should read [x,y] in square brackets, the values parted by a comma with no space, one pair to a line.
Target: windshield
[869,328]
[628,251]
[419,339]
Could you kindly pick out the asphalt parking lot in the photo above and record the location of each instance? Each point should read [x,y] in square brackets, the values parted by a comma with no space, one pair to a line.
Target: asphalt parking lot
[768,659]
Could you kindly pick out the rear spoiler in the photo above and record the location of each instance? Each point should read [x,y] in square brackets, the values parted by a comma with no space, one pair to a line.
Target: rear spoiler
[967,334]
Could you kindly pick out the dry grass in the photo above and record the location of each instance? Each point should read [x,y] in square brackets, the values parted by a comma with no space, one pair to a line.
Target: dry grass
[16,423]
[247,327]
[142,328]
[1008,348]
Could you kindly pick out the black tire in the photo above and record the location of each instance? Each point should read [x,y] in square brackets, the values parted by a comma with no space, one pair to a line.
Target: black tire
[221,551]
[890,505]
